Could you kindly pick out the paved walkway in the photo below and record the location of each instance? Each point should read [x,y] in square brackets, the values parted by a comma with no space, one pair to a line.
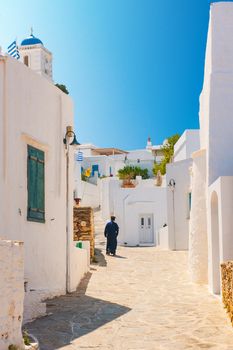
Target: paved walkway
[141,299]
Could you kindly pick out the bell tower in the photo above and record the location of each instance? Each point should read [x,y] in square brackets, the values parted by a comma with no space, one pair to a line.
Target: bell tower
[149,143]
[34,55]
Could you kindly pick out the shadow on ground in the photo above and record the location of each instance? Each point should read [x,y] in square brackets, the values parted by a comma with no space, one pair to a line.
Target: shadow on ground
[99,258]
[73,316]
[120,256]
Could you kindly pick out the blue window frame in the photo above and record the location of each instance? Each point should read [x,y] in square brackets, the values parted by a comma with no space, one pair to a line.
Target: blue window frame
[95,168]
[35,185]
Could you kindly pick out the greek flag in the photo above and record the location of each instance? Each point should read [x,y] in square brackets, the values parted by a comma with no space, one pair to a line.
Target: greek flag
[13,50]
[80,156]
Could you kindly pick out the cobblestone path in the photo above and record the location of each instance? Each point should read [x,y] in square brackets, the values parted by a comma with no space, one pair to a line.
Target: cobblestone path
[141,299]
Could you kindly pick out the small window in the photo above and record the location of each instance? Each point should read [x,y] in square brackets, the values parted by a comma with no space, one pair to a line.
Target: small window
[35,185]
[190,201]
[149,221]
[95,168]
[142,221]
[25,60]
[189,204]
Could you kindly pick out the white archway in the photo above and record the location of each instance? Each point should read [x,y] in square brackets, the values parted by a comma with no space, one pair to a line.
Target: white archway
[216,283]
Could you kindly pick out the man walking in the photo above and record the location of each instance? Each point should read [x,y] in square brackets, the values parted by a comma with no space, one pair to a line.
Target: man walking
[111,232]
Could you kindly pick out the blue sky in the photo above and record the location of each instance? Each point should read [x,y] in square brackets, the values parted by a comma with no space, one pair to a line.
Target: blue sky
[133,67]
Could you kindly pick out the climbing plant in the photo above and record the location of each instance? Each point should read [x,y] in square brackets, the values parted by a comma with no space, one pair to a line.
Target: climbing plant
[168,151]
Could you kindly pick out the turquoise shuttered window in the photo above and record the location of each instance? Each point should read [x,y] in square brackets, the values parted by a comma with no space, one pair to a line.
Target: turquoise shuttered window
[36,185]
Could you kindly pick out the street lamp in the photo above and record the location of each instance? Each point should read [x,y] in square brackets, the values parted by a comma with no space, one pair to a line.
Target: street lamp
[70,134]
[172,185]
[68,140]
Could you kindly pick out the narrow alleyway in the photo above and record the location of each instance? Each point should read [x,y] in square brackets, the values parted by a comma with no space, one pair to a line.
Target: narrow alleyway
[141,299]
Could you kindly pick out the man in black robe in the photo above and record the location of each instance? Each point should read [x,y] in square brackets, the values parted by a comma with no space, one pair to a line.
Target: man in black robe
[111,232]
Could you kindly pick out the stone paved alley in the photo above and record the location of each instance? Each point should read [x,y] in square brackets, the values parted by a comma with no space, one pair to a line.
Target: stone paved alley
[141,299]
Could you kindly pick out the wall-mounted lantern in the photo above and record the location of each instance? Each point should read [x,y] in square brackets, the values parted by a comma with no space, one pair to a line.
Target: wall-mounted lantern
[70,135]
[172,184]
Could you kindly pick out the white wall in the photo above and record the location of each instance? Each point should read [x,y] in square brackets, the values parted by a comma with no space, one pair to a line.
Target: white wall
[142,158]
[152,182]
[39,59]
[220,223]
[77,179]
[104,163]
[188,143]
[108,189]
[11,293]
[116,162]
[178,204]
[216,117]
[198,263]
[216,122]
[128,203]
[104,198]
[38,117]
[80,264]
[90,195]
[163,238]
[134,202]
[87,149]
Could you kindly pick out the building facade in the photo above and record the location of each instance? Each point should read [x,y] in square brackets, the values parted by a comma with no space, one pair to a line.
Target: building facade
[211,219]
[179,193]
[140,211]
[34,116]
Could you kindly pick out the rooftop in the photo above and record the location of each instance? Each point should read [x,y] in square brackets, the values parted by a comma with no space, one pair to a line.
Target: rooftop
[31,40]
[109,151]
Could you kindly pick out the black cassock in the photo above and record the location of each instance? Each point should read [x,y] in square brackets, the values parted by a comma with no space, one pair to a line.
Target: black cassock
[111,233]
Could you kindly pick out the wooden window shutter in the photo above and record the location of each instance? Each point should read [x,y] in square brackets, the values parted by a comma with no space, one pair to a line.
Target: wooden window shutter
[36,185]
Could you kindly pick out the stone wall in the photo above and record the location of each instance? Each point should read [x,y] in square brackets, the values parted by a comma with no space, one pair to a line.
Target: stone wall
[84,226]
[11,293]
[227,287]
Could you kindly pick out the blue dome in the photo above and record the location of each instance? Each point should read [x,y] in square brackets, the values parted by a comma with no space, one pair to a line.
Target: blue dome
[31,40]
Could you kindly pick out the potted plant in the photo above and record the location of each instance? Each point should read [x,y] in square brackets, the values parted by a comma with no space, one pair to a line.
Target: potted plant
[127,175]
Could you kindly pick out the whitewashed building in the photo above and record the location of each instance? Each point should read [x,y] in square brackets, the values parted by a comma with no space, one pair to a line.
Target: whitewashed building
[211,222]
[106,162]
[11,293]
[179,194]
[103,161]
[36,204]
[140,212]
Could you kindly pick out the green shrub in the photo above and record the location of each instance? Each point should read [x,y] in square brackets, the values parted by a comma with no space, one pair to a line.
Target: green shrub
[26,338]
[130,172]
[168,151]
[63,88]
